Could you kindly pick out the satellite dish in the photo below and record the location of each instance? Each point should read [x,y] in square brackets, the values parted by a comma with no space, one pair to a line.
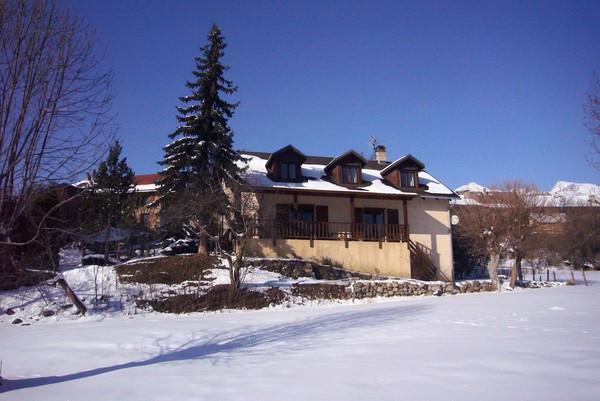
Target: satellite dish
[454,219]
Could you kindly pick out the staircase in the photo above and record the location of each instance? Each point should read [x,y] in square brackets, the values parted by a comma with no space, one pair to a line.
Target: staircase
[421,265]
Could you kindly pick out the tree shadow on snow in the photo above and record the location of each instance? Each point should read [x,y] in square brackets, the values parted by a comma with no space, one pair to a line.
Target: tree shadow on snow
[223,347]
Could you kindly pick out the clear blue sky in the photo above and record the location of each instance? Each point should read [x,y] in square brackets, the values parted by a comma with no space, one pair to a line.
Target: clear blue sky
[477,90]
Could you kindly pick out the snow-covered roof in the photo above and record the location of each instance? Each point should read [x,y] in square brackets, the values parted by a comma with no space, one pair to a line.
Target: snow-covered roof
[472,187]
[316,179]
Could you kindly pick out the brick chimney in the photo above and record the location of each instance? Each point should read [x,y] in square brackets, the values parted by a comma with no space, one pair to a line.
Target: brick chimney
[380,154]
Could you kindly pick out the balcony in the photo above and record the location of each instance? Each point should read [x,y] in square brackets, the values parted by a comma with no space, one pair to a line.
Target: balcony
[311,230]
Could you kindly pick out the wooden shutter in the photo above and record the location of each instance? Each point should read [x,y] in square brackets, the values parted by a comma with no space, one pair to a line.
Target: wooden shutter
[283,212]
[358,227]
[393,216]
[322,213]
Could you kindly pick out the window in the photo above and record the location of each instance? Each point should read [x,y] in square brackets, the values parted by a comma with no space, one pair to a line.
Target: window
[288,171]
[304,213]
[350,174]
[145,219]
[408,179]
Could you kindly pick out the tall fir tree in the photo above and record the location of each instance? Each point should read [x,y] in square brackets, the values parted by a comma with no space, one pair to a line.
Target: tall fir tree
[201,158]
[108,201]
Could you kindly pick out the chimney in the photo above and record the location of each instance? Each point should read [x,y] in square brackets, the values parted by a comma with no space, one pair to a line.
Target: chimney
[380,154]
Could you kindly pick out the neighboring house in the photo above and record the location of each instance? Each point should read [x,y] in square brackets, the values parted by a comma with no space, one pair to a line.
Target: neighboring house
[554,206]
[145,189]
[373,216]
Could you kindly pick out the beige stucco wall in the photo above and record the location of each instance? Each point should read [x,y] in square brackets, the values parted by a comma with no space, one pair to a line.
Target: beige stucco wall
[429,222]
[428,219]
[392,259]
[339,207]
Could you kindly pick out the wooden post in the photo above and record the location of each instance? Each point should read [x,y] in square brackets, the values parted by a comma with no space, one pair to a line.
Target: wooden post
[405,219]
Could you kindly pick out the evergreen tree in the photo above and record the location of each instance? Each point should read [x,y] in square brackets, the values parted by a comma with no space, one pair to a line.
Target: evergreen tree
[201,161]
[108,201]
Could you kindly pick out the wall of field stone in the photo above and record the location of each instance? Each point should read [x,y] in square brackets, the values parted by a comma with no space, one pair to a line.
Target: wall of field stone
[362,289]
[296,268]
[360,286]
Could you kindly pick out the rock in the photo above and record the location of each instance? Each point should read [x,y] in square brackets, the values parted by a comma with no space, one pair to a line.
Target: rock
[9,311]
[17,321]
[48,313]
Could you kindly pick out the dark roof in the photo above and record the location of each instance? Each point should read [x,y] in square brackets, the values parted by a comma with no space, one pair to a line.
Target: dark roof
[288,148]
[408,159]
[145,179]
[321,160]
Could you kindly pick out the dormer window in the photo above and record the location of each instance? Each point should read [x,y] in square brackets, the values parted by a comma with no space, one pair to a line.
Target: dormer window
[403,173]
[285,164]
[287,171]
[409,179]
[350,174]
[346,169]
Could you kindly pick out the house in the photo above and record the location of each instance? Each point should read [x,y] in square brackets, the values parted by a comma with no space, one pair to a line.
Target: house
[145,190]
[372,216]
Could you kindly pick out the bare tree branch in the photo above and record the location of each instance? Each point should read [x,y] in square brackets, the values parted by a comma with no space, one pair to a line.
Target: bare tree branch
[54,105]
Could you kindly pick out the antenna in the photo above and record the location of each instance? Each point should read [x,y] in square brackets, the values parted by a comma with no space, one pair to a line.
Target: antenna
[373,143]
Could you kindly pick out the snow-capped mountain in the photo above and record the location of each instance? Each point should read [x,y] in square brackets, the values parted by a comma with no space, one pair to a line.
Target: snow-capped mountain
[472,187]
[575,190]
[563,193]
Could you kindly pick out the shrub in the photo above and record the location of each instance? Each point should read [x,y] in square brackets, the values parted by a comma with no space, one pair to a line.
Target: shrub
[167,270]
[217,298]
[321,291]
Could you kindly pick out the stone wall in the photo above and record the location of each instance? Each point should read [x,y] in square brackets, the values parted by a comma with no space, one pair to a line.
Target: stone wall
[296,268]
[396,288]
[361,285]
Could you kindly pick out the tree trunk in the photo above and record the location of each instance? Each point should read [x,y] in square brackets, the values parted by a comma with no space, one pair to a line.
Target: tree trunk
[572,274]
[492,268]
[584,277]
[202,248]
[513,274]
[238,263]
[106,243]
[519,263]
[72,296]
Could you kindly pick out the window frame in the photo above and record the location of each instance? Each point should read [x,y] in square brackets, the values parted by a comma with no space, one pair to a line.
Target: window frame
[346,174]
[409,179]
[288,170]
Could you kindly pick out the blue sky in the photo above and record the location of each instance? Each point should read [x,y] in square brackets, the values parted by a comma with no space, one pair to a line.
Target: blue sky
[477,90]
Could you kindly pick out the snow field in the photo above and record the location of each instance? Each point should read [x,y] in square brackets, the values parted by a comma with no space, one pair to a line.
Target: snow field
[527,344]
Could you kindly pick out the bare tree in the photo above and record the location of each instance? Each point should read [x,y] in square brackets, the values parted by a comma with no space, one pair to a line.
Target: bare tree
[581,237]
[523,205]
[223,214]
[54,106]
[501,221]
[592,119]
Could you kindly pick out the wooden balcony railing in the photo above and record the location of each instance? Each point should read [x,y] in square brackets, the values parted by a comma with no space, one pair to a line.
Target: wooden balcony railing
[328,231]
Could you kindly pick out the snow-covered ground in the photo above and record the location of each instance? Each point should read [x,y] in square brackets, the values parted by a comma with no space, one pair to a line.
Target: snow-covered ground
[534,344]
